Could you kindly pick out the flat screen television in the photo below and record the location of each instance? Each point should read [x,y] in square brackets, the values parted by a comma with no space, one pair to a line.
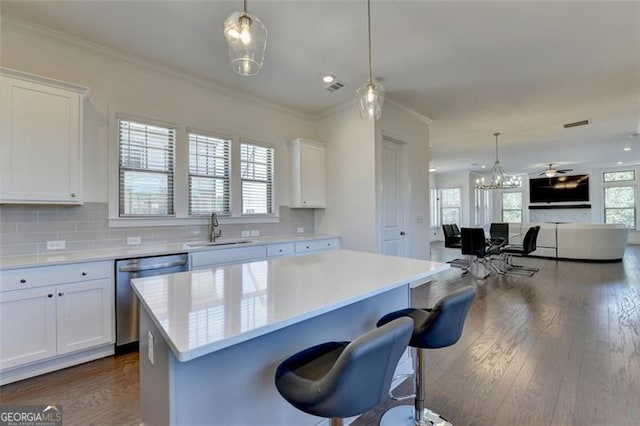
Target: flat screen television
[559,188]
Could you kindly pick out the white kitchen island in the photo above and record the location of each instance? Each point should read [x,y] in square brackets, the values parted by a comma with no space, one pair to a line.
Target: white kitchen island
[216,336]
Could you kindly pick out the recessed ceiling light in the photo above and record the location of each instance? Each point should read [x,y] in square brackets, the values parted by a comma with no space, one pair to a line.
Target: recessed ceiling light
[619,163]
[628,148]
[329,78]
[483,167]
[432,170]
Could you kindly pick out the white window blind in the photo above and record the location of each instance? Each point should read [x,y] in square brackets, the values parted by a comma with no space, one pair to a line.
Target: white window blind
[256,171]
[146,169]
[209,170]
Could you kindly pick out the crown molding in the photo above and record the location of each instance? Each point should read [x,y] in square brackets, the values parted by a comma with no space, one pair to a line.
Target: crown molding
[335,109]
[411,111]
[30,28]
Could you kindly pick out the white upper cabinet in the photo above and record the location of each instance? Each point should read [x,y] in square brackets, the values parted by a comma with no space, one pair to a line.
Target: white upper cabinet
[40,140]
[307,173]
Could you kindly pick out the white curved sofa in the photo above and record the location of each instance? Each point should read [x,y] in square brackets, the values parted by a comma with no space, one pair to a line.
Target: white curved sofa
[592,241]
[580,241]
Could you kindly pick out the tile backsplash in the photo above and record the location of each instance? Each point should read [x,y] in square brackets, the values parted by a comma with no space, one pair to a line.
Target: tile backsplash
[25,229]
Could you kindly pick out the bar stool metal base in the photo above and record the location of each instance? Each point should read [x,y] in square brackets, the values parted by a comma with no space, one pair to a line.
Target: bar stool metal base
[404,415]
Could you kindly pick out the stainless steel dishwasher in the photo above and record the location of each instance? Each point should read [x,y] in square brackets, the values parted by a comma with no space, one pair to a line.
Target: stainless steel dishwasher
[127,305]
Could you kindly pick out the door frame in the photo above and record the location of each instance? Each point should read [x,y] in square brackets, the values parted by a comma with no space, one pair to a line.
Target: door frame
[398,138]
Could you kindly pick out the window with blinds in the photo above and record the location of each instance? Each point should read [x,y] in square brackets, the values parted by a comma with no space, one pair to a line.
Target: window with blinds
[146,169]
[256,172]
[209,171]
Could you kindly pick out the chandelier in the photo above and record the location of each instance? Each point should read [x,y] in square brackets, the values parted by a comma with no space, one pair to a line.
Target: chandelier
[498,178]
[371,95]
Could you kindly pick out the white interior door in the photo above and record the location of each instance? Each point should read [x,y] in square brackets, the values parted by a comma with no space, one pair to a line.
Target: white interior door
[393,199]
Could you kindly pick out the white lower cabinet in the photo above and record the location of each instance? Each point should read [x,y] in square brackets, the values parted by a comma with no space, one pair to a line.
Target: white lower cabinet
[84,315]
[46,327]
[27,326]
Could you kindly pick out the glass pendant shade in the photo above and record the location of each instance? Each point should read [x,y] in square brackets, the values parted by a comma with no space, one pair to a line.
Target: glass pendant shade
[246,39]
[370,99]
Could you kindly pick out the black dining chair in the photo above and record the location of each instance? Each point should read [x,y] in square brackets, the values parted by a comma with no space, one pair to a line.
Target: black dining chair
[451,236]
[474,245]
[528,246]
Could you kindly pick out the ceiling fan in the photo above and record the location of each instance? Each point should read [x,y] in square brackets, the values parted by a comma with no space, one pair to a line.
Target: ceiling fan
[552,171]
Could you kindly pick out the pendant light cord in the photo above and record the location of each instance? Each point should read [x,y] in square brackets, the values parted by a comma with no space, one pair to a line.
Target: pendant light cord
[369,31]
[245,7]
[496,135]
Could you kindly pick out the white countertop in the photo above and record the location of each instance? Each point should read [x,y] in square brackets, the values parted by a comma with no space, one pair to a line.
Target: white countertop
[53,258]
[200,312]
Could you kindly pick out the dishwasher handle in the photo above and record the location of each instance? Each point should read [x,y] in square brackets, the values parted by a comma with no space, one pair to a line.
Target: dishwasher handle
[136,268]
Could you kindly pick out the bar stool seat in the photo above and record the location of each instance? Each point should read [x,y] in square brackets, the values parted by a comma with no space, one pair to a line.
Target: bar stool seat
[434,328]
[343,379]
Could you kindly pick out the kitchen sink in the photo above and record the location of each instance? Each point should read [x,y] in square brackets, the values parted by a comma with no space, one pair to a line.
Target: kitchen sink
[218,243]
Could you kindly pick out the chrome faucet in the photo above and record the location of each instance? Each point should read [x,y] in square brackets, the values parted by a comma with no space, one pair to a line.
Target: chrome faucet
[213,224]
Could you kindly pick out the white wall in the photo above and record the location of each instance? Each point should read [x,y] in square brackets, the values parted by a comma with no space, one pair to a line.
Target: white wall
[120,84]
[351,197]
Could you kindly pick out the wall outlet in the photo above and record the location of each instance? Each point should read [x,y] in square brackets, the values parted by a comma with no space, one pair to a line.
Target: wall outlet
[419,219]
[150,348]
[56,245]
[255,233]
[245,233]
[131,241]
[301,230]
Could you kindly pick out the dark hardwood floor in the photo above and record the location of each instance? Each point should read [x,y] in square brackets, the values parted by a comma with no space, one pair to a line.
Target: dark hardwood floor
[559,348]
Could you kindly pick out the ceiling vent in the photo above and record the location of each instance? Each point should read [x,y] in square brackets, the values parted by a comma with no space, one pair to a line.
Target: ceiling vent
[577,123]
[335,86]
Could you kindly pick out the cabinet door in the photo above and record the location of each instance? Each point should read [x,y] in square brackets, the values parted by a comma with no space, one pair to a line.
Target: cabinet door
[40,143]
[84,315]
[27,326]
[312,175]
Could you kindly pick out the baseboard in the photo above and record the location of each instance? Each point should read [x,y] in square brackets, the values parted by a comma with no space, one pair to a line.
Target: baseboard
[58,363]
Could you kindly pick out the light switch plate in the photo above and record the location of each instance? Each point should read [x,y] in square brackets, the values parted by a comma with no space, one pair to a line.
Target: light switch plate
[301,230]
[255,233]
[245,233]
[150,348]
[56,245]
[134,241]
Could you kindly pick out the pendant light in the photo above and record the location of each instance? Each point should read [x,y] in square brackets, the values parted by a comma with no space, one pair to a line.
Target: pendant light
[499,179]
[371,95]
[246,38]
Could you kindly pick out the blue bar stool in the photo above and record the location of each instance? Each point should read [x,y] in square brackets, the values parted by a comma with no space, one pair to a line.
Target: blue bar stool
[343,379]
[434,328]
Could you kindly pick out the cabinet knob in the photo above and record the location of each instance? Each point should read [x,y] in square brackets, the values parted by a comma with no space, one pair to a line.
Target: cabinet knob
[73,195]
[61,294]
[49,295]
[280,251]
[304,202]
[307,246]
[84,274]
[22,281]
[403,233]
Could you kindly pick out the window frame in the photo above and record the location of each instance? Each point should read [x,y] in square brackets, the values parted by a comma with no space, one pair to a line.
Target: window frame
[181,176]
[228,177]
[170,172]
[270,183]
[503,210]
[621,184]
[443,206]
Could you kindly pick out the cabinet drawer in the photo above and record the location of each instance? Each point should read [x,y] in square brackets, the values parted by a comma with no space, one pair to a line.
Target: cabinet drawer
[280,250]
[318,245]
[39,276]
[219,257]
